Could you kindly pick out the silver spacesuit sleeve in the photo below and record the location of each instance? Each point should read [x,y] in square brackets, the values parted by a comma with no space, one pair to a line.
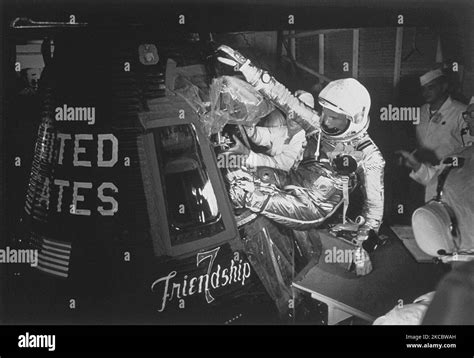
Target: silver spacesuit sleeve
[266,84]
[372,175]
[298,111]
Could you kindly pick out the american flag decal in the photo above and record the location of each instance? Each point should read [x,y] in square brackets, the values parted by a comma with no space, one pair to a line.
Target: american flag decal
[53,256]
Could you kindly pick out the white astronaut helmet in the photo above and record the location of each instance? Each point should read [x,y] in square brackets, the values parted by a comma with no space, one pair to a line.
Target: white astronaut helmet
[434,227]
[349,97]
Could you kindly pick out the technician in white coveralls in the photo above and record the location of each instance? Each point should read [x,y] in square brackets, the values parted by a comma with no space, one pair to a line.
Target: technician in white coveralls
[458,188]
[432,233]
[441,130]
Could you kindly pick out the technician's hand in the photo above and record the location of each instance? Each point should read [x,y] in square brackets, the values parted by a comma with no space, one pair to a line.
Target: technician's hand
[239,147]
[363,265]
[250,130]
[362,234]
[409,159]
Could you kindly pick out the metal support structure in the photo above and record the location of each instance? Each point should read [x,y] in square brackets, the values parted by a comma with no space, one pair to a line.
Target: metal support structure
[316,32]
[398,62]
[439,51]
[27,23]
[288,56]
[279,47]
[292,45]
[355,53]
[321,54]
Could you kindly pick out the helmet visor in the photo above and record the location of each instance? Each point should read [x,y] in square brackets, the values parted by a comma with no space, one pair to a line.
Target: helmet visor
[333,123]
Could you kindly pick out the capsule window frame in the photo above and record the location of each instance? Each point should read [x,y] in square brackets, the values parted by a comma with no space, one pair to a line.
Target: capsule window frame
[160,228]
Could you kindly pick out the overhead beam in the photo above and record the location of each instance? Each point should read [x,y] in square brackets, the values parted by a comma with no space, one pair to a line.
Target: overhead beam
[315,32]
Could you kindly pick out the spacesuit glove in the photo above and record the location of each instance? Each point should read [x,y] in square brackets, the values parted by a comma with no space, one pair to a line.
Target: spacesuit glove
[361,260]
[237,196]
[239,191]
[240,63]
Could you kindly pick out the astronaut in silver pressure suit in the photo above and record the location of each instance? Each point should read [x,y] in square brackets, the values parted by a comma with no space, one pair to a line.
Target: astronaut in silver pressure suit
[314,192]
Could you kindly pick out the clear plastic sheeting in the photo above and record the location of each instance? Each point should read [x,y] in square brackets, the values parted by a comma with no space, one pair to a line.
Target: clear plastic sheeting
[234,101]
[193,92]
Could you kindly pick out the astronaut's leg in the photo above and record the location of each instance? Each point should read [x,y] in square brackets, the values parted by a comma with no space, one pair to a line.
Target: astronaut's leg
[297,209]
[311,197]
[243,183]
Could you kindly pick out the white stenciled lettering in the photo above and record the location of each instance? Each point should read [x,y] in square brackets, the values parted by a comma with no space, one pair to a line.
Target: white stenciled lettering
[78,150]
[202,284]
[100,152]
[62,184]
[212,256]
[107,199]
[76,197]
[62,143]
[166,281]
